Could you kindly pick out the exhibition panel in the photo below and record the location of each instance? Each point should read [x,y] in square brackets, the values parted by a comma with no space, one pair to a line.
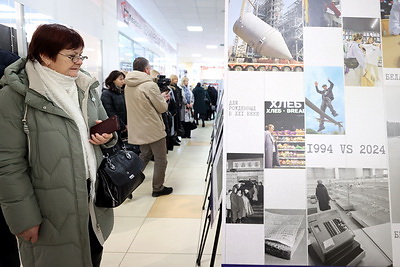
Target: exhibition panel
[326,129]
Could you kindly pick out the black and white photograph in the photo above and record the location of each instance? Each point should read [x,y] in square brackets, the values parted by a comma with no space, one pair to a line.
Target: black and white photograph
[348,216]
[285,237]
[392,98]
[322,13]
[281,32]
[284,134]
[362,45]
[245,189]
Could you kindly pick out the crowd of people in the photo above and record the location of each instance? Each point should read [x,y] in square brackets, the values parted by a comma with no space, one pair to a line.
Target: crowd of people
[49,161]
[241,199]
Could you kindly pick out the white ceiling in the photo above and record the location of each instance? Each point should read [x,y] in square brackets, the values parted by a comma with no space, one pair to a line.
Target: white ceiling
[171,17]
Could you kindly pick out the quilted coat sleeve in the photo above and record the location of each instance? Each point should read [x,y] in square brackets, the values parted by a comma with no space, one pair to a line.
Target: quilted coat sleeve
[102,115]
[17,197]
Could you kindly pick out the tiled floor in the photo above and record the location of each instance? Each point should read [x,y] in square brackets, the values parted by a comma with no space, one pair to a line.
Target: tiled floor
[166,231]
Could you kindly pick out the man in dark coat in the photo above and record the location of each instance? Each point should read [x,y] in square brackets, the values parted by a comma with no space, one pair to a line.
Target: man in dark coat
[213,93]
[201,103]
[323,197]
[8,243]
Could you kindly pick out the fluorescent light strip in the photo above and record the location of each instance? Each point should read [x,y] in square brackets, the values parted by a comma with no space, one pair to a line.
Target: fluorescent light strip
[194,28]
[211,46]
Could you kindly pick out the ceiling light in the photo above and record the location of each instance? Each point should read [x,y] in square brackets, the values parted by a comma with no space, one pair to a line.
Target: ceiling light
[211,46]
[194,28]
[140,40]
[196,55]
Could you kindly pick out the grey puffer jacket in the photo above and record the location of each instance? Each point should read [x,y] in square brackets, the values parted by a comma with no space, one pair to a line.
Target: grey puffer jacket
[50,189]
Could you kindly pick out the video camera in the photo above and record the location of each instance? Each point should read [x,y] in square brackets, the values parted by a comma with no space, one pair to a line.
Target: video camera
[163,83]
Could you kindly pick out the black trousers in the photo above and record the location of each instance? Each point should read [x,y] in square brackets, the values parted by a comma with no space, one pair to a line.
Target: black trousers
[186,127]
[9,256]
[96,249]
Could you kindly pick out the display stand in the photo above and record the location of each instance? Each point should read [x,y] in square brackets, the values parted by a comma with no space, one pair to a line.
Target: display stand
[206,228]
[208,218]
[209,168]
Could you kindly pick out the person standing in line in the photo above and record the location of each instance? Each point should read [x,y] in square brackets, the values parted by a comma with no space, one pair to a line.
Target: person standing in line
[260,188]
[323,197]
[235,206]
[271,151]
[144,105]
[113,98]
[255,194]
[177,91]
[213,94]
[201,103]
[187,111]
[9,255]
[48,161]
[228,207]
[327,98]
[248,209]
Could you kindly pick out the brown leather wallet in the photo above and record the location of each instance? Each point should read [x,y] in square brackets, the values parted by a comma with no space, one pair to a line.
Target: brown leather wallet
[109,125]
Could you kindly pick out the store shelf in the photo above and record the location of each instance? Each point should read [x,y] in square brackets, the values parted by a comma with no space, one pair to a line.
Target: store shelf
[291,148]
[369,200]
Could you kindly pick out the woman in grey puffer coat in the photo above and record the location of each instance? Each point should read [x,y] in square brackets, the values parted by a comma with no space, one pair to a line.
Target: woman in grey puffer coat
[48,171]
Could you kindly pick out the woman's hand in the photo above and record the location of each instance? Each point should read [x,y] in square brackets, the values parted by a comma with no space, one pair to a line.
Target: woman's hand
[31,234]
[99,139]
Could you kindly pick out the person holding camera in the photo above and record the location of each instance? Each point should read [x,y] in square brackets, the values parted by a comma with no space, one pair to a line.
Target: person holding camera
[144,105]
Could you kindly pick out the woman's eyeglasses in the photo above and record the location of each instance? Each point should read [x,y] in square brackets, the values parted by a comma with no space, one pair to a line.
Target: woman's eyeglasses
[76,58]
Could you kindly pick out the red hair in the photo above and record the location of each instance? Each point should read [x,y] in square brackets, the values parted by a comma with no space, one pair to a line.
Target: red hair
[50,39]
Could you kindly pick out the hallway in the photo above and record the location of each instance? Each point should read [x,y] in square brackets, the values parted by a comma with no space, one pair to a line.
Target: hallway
[166,231]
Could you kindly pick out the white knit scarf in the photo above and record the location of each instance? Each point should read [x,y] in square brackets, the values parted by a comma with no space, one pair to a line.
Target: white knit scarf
[62,90]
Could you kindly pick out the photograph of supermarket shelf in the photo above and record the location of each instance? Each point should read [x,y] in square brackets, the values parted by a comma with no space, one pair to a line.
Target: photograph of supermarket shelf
[362,47]
[322,13]
[348,217]
[280,32]
[245,189]
[324,93]
[392,100]
[285,238]
[284,134]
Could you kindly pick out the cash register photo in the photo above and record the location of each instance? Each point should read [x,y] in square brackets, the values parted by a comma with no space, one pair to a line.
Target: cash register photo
[333,242]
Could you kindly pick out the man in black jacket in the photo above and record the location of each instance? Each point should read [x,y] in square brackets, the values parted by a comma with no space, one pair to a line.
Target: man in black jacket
[327,98]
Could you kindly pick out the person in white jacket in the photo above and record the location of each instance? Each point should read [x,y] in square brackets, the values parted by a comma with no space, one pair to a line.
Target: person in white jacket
[394,18]
[372,56]
[355,50]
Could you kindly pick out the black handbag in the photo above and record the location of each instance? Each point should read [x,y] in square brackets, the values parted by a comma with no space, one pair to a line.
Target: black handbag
[192,125]
[351,63]
[180,131]
[119,174]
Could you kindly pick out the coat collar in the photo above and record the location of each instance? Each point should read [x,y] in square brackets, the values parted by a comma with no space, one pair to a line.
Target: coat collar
[84,81]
